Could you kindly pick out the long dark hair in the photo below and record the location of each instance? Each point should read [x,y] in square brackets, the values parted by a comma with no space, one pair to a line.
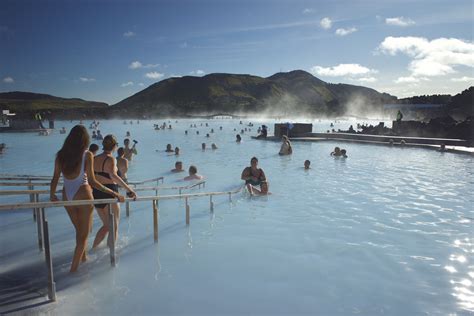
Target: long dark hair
[70,155]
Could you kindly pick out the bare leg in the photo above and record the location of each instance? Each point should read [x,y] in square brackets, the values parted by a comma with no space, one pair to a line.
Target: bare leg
[104,230]
[82,217]
[116,209]
[250,188]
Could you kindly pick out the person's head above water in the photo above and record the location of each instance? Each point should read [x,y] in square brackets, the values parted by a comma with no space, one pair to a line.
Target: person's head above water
[169,147]
[109,143]
[126,142]
[93,148]
[203,146]
[254,162]
[178,165]
[176,151]
[307,163]
[192,170]
[120,152]
[343,152]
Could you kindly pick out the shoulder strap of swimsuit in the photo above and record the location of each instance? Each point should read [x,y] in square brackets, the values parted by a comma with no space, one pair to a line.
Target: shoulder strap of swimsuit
[103,163]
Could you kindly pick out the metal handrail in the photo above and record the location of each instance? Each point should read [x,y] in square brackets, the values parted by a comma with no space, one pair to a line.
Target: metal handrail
[42,184]
[43,226]
[21,192]
[48,204]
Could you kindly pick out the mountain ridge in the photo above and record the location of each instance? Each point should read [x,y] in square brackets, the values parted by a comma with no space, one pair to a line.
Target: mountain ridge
[295,92]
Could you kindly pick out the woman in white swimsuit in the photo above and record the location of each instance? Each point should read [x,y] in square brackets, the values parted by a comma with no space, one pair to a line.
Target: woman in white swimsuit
[76,164]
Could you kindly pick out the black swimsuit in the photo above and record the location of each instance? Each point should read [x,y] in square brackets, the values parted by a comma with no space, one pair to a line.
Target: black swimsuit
[98,195]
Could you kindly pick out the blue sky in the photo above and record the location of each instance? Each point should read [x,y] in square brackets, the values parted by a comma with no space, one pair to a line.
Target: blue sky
[109,50]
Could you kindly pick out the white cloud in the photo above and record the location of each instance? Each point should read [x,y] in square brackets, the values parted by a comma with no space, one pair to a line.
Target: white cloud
[399,21]
[137,65]
[367,79]
[431,58]
[342,70]
[127,84]
[8,80]
[463,79]
[154,75]
[141,84]
[129,34]
[411,79]
[326,23]
[344,32]
[308,11]
[84,79]
[197,73]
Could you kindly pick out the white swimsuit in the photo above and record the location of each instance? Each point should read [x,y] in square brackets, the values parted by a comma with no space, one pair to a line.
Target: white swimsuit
[71,186]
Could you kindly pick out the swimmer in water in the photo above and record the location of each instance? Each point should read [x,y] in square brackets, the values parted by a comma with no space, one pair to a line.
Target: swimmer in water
[193,175]
[176,151]
[307,164]
[286,148]
[122,165]
[238,139]
[214,146]
[203,146]
[169,149]
[336,152]
[178,167]
[128,134]
[253,175]
[343,153]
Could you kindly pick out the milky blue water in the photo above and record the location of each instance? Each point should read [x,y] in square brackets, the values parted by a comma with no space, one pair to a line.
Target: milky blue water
[386,231]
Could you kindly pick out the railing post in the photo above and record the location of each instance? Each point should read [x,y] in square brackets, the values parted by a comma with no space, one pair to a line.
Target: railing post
[211,204]
[155,221]
[187,212]
[127,208]
[32,199]
[39,222]
[111,237]
[49,261]
[230,197]
[179,191]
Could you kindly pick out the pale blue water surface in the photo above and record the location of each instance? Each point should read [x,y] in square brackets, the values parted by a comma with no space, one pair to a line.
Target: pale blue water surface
[388,231]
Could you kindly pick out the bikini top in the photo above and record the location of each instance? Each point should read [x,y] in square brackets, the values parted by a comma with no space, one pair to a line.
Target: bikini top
[260,173]
[103,173]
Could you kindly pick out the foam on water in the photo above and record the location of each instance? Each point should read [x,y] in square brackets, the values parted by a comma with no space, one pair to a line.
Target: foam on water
[386,231]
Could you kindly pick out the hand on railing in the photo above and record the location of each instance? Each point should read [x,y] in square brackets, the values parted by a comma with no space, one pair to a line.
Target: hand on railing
[53,198]
[120,197]
[132,194]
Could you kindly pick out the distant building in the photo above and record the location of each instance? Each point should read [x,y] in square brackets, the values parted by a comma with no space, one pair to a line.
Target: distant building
[292,129]
[5,118]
